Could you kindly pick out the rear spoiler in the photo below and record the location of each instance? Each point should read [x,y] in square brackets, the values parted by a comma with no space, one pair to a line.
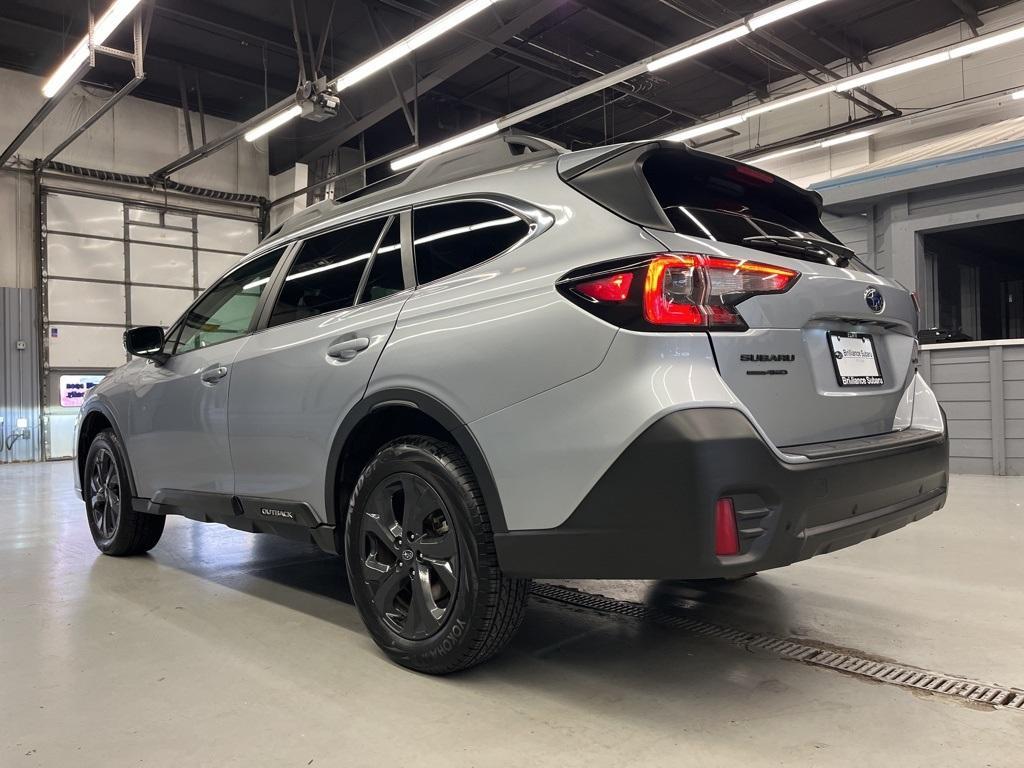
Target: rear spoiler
[615,180]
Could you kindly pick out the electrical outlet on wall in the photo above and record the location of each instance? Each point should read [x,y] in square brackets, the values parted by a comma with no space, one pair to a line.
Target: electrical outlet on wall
[19,344]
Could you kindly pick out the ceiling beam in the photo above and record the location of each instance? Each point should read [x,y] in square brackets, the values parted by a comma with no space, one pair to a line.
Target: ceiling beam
[969,13]
[452,66]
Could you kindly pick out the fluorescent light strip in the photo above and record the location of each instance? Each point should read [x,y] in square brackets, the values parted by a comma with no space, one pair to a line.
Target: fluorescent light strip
[698,48]
[787,101]
[106,24]
[779,12]
[893,70]
[705,128]
[271,123]
[1017,95]
[417,39]
[986,42]
[757,21]
[456,141]
[826,144]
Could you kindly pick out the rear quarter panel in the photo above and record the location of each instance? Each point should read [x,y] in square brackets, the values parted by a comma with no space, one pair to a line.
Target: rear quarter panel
[498,333]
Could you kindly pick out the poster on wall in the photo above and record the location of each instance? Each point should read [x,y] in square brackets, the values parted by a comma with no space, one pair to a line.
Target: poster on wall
[74,388]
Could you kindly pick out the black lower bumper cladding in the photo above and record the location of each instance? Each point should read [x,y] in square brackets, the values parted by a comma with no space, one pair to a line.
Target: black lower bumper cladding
[651,516]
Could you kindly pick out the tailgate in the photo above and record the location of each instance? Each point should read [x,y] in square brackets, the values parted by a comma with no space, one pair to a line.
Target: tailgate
[785,367]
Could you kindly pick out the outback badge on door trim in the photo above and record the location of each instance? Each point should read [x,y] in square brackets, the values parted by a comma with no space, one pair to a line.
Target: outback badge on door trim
[874,299]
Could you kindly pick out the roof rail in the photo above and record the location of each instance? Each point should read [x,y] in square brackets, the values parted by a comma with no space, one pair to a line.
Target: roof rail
[493,154]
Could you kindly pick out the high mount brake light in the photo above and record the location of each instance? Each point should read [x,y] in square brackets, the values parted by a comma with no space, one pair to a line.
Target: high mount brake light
[674,290]
[689,289]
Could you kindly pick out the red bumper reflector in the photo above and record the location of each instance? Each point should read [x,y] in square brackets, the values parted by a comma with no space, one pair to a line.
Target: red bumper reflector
[727,538]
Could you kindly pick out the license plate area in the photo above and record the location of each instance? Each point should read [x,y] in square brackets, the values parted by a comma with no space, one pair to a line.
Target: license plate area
[855,360]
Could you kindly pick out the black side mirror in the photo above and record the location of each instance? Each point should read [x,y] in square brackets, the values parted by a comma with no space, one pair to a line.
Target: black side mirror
[146,341]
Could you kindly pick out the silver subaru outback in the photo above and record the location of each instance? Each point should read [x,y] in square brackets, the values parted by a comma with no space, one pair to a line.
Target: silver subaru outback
[517,362]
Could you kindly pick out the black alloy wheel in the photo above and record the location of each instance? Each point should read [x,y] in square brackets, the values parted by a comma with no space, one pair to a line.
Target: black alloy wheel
[116,528]
[421,561]
[105,494]
[410,555]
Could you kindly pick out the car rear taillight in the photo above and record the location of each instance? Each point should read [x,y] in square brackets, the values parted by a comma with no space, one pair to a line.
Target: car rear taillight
[675,291]
[610,288]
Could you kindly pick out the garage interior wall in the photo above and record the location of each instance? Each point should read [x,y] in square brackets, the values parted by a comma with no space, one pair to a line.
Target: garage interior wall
[134,137]
[885,217]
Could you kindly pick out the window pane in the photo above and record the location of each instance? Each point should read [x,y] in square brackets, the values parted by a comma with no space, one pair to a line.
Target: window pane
[455,236]
[326,274]
[386,270]
[226,312]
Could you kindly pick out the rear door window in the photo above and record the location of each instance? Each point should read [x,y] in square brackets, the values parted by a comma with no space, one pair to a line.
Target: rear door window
[385,277]
[451,237]
[326,274]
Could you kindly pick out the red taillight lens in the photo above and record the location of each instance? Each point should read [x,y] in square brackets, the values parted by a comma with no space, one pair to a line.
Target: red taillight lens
[727,538]
[700,291]
[669,278]
[609,288]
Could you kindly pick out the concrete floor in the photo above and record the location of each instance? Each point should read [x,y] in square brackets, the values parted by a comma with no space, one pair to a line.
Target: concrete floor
[222,648]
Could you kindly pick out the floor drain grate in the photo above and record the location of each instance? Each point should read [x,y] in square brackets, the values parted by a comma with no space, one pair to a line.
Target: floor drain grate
[883,672]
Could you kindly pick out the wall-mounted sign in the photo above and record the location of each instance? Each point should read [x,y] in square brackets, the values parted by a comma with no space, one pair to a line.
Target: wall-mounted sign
[73,389]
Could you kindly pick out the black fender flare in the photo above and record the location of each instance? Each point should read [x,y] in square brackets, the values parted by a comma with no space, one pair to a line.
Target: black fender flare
[439,412]
[97,405]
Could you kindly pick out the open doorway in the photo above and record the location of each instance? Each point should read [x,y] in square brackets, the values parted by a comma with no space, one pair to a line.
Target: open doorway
[976,283]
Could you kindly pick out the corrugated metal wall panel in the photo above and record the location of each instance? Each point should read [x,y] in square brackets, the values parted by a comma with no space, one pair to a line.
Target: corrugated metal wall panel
[981,388]
[19,371]
[851,230]
[1013,373]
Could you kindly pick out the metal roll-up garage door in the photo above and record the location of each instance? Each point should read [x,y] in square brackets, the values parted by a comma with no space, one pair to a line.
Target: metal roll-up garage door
[109,264]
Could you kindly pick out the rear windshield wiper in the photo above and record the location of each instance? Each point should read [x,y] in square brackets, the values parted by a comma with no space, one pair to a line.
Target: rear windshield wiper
[808,248]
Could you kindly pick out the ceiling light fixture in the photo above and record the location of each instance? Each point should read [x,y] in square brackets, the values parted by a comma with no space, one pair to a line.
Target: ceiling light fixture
[779,12]
[695,49]
[826,144]
[706,128]
[273,122]
[456,141]
[1017,95]
[986,42]
[407,45]
[79,55]
[787,101]
[893,70]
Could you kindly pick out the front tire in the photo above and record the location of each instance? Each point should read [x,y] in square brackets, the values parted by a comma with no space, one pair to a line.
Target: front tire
[421,561]
[117,529]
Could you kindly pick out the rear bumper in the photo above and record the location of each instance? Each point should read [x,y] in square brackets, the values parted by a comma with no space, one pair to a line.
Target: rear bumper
[650,516]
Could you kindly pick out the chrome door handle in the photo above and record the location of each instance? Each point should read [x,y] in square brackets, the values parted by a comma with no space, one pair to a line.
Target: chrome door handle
[346,350]
[213,375]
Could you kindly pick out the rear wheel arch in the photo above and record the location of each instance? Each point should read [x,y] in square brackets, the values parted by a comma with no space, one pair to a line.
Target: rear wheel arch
[390,414]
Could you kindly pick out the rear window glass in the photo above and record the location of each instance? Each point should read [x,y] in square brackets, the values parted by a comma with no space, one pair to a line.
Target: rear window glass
[760,234]
[719,200]
[326,274]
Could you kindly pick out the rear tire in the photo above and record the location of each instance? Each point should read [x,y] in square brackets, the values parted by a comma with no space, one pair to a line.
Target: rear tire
[117,529]
[421,560]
